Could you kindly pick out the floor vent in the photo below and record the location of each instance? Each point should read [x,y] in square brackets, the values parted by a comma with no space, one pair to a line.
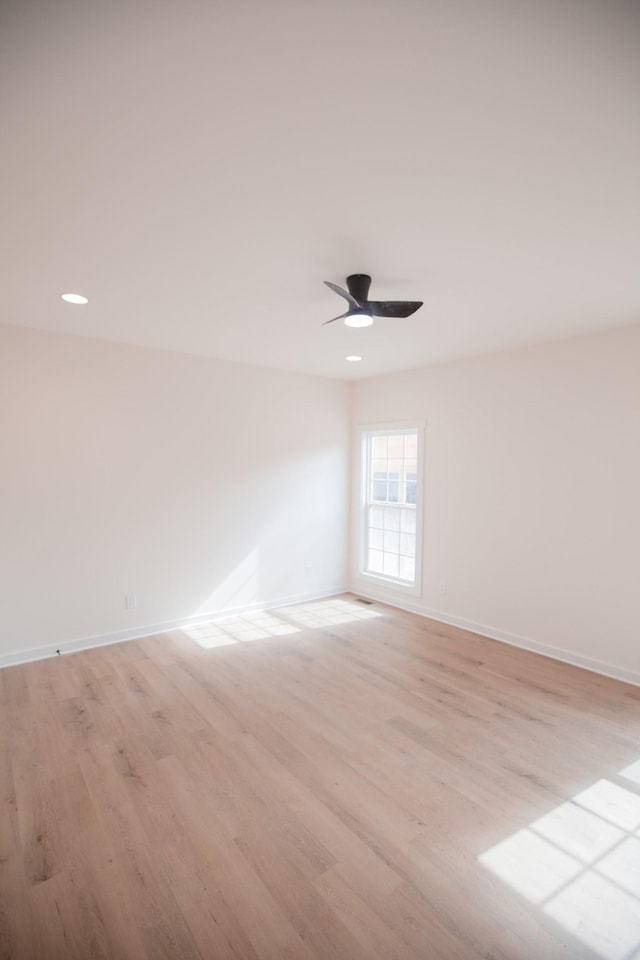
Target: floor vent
[362,600]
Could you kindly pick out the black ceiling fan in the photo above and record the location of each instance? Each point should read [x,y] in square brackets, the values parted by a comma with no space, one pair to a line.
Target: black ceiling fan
[361,310]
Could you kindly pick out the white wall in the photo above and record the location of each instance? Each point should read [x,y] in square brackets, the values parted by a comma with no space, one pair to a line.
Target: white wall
[199,485]
[204,486]
[532,494]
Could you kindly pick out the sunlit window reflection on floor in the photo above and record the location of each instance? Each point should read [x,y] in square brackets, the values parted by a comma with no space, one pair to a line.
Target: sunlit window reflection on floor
[261,624]
[326,613]
[632,772]
[580,864]
[578,832]
[258,625]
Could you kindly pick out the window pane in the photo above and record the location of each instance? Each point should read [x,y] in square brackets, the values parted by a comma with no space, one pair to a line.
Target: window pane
[379,446]
[393,491]
[391,541]
[395,469]
[411,446]
[376,517]
[379,487]
[391,518]
[408,521]
[407,568]
[396,446]
[376,564]
[391,564]
[407,544]
[376,539]
[410,491]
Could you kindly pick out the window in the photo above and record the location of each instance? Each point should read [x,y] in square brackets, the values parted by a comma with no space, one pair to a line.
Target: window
[390,532]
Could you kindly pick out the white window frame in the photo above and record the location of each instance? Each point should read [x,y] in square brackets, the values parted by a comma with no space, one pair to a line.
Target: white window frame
[364,436]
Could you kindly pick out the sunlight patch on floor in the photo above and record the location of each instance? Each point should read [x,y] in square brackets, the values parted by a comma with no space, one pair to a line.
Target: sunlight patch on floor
[258,625]
[632,772]
[532,866]
[600,914]
[327,613]
[616,804]
[578,832]
[262,624]
[580,864]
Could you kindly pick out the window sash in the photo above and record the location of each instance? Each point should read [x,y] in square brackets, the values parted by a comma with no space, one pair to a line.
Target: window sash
[390,536]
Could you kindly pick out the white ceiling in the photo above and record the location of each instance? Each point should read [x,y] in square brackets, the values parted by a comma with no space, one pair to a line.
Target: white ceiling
[197,168]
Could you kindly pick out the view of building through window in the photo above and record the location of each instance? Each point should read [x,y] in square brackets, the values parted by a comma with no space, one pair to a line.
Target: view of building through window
[390,483]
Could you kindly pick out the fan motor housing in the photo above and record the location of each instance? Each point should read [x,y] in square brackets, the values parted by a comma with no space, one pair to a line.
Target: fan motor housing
[358,286]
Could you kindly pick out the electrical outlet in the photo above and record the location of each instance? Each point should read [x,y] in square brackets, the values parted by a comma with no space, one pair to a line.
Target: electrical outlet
[308,569]
[442,586]
[131,601]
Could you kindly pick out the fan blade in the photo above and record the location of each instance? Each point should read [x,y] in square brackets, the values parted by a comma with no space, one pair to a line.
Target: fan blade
[336,318]
[343,293]
[393,308]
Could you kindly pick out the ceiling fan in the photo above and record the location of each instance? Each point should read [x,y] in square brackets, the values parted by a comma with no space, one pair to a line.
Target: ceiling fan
[361,310]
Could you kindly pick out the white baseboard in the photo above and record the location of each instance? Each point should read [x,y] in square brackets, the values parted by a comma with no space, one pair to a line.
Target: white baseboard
[148,630]
[492,633]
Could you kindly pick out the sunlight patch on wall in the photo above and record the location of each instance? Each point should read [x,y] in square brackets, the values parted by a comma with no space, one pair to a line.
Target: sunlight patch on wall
[241,587]
[580,864]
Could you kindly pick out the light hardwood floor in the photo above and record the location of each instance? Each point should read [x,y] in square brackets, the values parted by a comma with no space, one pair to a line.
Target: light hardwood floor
[334,781]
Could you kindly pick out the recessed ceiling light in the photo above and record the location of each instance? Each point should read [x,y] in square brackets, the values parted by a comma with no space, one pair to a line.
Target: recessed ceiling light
[74,298]
[353,359]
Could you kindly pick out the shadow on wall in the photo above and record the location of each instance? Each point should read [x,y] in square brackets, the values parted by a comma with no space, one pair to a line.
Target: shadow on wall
[283,537]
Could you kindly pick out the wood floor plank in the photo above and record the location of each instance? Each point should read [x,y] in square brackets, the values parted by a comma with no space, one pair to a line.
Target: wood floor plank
[331,781]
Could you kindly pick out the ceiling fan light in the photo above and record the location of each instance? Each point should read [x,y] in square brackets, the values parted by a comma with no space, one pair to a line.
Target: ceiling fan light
[358,318]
